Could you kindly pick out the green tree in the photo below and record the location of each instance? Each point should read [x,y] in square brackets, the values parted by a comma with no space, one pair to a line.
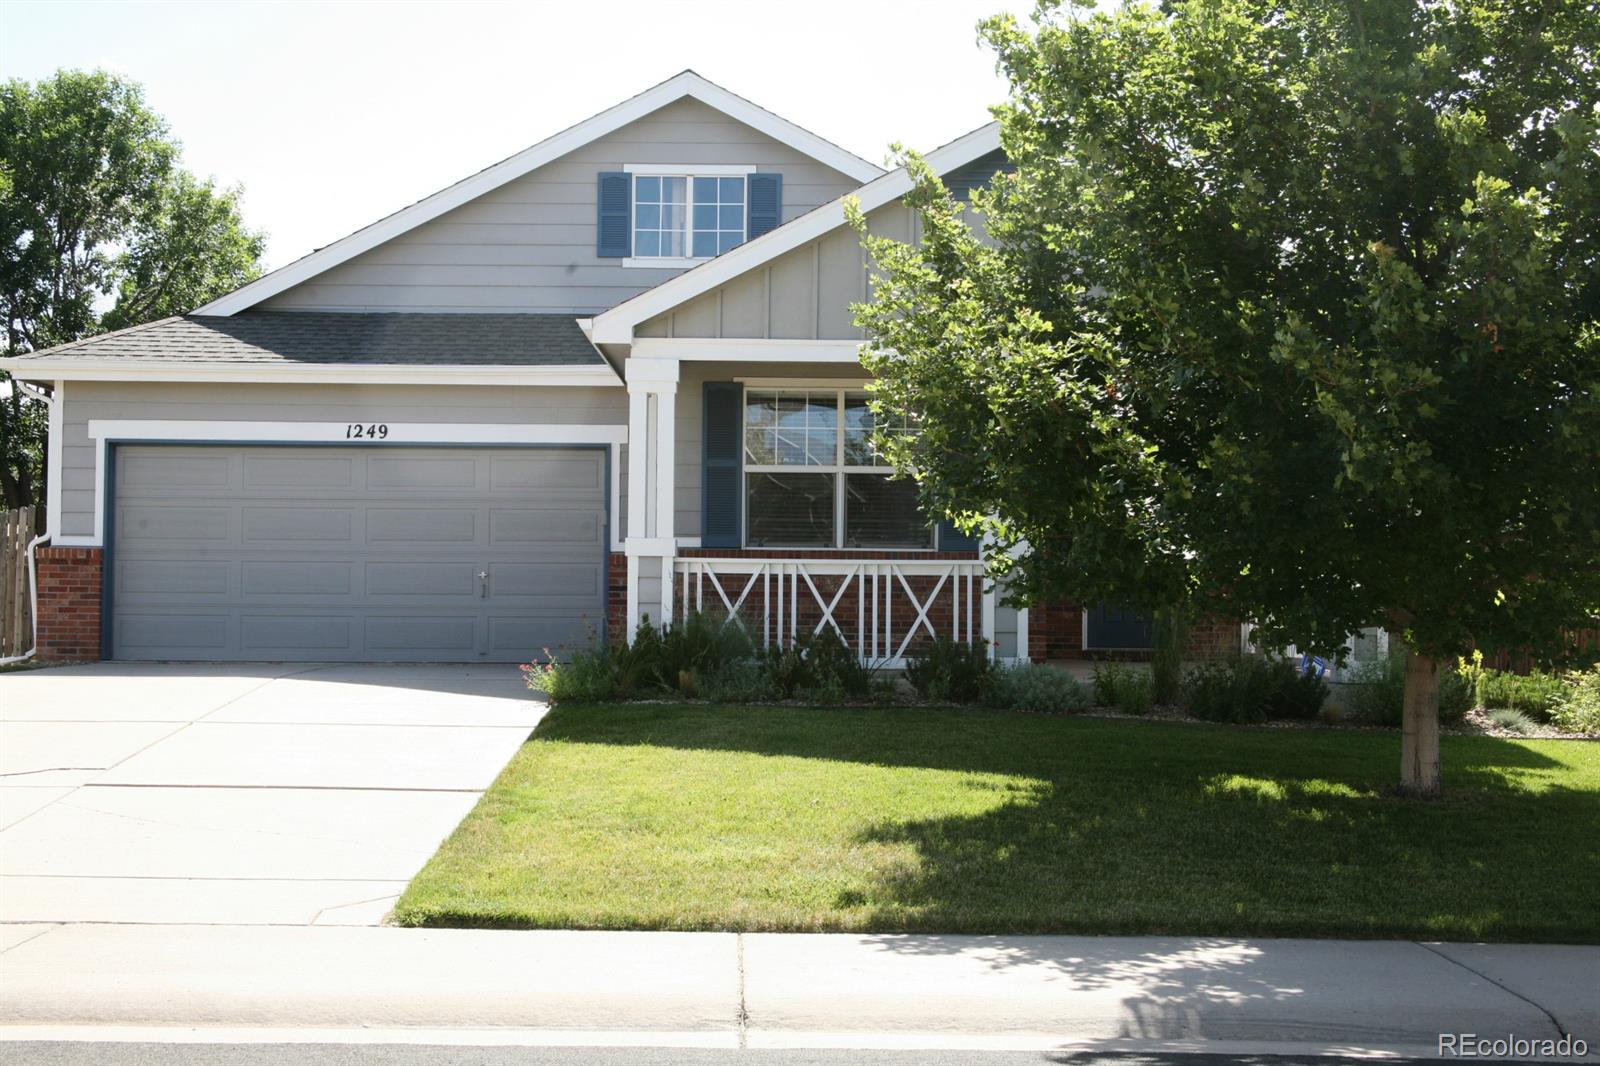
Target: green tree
[1290,310]
[100,228]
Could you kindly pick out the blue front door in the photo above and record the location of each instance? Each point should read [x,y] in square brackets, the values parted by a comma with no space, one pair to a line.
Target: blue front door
[1116,627]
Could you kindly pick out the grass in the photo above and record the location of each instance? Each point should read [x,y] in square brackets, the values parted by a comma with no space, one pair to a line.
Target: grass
[697,817]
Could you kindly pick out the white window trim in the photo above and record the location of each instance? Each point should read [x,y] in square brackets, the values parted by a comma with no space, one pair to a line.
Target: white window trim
[838,470]
[698,170]
[101,431]
[688,174]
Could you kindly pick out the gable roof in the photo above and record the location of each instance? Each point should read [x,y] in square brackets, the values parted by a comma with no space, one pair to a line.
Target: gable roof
[615,326]
[685,84]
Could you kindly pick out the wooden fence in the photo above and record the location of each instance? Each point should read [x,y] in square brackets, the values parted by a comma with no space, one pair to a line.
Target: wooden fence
[16,613]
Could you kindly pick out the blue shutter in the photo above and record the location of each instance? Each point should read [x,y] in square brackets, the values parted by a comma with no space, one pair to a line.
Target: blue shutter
[614,226]
[722,470]
[766,204]
[952,539]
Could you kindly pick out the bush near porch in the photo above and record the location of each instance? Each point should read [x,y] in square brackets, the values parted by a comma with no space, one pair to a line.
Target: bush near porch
[702,657]
[674,816]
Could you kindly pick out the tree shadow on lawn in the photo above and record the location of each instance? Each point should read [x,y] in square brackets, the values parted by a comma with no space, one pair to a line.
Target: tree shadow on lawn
[1159,828]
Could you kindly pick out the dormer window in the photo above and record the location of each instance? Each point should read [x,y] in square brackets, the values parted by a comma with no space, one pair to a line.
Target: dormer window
[669,216]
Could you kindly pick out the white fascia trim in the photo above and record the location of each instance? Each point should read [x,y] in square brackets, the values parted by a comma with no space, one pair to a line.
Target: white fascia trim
[804,383]
[69,368]
[616,325]
[673,89]
[693,170]
[735,349]
[104,430]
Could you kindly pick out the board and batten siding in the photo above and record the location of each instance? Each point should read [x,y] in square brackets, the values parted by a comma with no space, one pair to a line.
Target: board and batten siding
[804,294]
[530,244]
[509,405]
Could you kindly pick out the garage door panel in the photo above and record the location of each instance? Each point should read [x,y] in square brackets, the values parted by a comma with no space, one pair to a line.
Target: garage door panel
[535,580]
[447,633]
[298,473]
[547,472]
[296,632]
[422,525]
[524,637]
[355,553]
[182,471]
[269,525]
[140,630]
[155,523]
[458,580]
[295,577]
[398,471]
[160,577]
[544,527]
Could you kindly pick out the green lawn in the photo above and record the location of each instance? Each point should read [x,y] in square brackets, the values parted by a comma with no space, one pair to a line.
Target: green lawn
[694,817]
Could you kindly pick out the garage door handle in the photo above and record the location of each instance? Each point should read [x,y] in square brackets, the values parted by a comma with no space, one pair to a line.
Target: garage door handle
[483,584]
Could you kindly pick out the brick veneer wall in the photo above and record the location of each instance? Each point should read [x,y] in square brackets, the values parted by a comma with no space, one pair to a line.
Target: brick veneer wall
[1055,631]
[69,604]
[616,596]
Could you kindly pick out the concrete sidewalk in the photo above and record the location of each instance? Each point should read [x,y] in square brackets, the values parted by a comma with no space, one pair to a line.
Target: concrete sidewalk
[767,990]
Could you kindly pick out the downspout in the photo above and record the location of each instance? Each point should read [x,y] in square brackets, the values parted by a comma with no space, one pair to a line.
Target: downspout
[33,573]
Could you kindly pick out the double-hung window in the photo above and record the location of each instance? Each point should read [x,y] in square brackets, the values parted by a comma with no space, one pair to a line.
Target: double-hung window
[687,216]
[813,478]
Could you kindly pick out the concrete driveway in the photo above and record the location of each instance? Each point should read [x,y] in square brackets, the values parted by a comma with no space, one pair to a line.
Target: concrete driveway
[250,793]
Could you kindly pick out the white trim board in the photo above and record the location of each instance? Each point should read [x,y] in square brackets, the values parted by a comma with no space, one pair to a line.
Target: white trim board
[686,84]
[105,430]
[71,368]
[739,349]
[616,325]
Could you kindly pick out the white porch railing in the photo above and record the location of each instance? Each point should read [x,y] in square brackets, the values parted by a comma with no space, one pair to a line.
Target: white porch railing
[881,608]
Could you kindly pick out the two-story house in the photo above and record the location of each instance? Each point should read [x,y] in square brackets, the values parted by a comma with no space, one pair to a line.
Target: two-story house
[612,377]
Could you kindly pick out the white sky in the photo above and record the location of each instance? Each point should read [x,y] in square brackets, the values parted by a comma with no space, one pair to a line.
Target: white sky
[334,114]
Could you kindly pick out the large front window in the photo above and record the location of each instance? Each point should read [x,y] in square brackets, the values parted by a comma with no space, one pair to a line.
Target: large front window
[813,478]
[679,216]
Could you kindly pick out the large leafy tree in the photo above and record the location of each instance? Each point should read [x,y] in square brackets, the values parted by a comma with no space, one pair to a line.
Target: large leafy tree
[100,228]
[1291,310]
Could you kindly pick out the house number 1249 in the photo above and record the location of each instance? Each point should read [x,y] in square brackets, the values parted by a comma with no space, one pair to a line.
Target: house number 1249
[365,431]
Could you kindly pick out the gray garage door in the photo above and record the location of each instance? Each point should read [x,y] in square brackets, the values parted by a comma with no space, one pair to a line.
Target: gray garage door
[356,554]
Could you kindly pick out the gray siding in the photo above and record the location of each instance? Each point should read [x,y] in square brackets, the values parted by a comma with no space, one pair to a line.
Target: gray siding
[86,400]
[804,294]
[530,244]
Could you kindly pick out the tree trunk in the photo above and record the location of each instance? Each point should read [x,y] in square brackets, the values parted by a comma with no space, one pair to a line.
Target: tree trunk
[1419,727]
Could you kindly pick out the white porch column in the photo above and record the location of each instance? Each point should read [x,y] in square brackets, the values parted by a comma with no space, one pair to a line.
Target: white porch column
[651,542]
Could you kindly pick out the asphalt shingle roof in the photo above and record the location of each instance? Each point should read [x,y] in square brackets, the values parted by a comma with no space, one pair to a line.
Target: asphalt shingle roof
[327,338]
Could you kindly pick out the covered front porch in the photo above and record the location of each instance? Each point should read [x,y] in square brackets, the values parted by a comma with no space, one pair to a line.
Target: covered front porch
[695,468]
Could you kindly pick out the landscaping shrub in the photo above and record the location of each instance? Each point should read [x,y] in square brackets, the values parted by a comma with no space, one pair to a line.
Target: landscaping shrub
[1035,687]
[1122,688]
[1533,694]
[1577,710]
[740,681]
[698,646]
[586,678]
[949,670]
[1378,691]
[832,673]
[1234,690]
[1512,721]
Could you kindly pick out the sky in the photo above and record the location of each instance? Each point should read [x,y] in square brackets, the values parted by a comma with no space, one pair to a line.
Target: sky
[332,115]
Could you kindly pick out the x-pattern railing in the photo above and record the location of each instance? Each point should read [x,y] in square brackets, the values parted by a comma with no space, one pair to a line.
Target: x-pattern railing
[896,600]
